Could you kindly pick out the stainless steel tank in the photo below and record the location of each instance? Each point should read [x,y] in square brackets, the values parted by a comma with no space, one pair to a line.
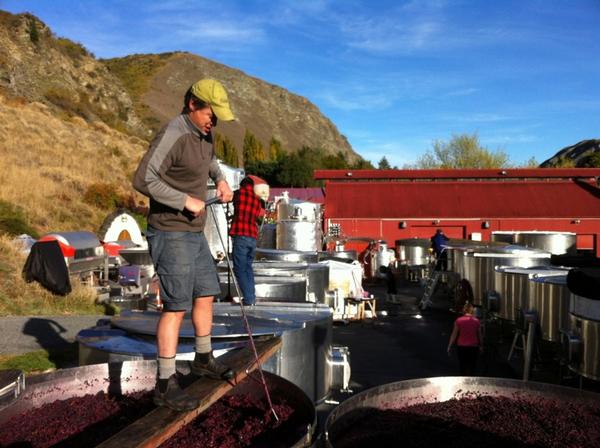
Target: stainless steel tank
[514,288]
[293,234]
[268,236]
[349,255]
[310,256]
[215,231]
[270,289]
[504,236]
[402,394]
[133,376]
[458,249]
[297,209]
[557,243]
[584,336]
[480,266]
[413,251]
[316,275]
[549,297]
[305,328]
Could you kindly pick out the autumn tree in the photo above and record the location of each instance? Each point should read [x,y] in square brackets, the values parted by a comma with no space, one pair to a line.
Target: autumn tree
[462,151]
[253,150]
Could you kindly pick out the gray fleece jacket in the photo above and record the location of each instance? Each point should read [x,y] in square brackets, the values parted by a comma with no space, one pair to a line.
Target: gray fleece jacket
[177,164]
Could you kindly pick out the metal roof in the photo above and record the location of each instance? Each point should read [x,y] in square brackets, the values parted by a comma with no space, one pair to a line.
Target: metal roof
[458,174]
[463,199]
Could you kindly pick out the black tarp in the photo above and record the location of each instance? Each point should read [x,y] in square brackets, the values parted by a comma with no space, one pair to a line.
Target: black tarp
[584,282]
[46,265]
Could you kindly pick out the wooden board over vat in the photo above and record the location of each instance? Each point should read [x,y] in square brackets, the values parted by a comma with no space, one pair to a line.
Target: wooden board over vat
[160,424]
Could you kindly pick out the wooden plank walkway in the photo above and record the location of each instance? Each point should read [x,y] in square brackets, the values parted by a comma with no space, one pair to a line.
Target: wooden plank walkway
[161,423]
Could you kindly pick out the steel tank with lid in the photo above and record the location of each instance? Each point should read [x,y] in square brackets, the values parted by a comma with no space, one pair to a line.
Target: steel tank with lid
[549,297]
[269,288]
[309,256]
[514,288]
[480,266]
[557,243]
[413,251]
[316,275]
[295,234]
[457,250]
[305,328]
[584,336]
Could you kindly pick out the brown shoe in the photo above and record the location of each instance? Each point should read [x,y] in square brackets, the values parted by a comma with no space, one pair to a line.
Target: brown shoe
[213,368]
[173,396]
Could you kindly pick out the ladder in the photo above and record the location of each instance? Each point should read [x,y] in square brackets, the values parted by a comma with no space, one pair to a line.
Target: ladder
[430,284]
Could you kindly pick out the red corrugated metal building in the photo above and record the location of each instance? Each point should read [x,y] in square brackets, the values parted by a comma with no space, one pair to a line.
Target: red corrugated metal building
[395,204]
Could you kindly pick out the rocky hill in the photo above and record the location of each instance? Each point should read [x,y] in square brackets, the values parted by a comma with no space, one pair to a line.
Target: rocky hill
[137,94]
[585,154]
[265,109]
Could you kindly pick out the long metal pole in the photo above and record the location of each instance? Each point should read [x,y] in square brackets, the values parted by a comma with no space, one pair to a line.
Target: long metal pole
[246,323]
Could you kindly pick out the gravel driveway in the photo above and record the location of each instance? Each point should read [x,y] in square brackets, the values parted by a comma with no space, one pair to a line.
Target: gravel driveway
[20,334]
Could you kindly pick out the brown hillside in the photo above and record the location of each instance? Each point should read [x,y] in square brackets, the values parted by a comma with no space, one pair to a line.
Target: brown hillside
[265,109]
[48,164]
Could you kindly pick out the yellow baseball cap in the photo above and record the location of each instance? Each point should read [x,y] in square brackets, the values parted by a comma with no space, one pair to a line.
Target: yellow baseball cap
[213,92]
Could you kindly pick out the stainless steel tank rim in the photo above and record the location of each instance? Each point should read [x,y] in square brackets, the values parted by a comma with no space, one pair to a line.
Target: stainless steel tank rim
[451,386]
[582,373]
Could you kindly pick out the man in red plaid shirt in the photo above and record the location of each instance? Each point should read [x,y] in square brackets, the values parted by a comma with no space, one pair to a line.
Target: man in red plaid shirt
[248,204]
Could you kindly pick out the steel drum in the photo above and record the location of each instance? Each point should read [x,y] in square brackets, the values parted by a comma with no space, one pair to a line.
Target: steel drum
[310,256]
[480,266]
[584,335]
[128,377]
[516,291]
[549,297]
[413,251]
[305,329]
[429,390]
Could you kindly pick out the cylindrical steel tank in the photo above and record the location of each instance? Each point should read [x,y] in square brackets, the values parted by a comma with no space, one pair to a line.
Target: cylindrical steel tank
[133,376]
[549,297]
[310,256]
[402,394]
[271,289]
[316,275]
[504,237]
[557,243]
[268,237]
[349,255]
[480,266]
[300,210]
[293,234]
[413,251]
[515,289]
[584,333]
[305,328]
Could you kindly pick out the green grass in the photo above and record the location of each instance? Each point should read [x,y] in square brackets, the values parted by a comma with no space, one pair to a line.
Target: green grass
[41,360]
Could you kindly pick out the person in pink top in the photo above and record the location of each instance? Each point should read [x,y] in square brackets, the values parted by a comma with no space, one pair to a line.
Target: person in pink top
[469,340]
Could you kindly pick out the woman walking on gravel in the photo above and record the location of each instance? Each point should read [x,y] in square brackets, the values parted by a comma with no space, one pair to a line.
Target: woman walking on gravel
[469,340]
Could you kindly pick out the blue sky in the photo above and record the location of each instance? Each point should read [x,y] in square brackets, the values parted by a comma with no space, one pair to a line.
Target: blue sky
[393,76]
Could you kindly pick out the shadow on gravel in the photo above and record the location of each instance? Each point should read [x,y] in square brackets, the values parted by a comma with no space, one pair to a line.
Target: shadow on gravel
[48,334]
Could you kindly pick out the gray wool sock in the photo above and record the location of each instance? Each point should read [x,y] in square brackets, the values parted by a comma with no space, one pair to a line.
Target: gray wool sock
[202,344]
[166,367]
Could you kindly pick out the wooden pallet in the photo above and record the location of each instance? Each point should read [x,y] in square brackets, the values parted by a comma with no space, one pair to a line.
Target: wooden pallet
[160,424]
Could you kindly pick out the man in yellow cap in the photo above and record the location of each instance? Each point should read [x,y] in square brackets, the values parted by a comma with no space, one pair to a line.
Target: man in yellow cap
[174,173]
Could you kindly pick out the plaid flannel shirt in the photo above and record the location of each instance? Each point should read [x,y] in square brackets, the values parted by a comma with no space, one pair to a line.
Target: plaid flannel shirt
[247,209]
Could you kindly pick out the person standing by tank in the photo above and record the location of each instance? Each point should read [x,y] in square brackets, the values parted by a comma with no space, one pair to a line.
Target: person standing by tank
[174,173]
[468,337]
[249,206]
[438,240]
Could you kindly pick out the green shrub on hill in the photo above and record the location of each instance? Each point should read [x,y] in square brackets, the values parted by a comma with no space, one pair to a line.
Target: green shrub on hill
[13,220]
